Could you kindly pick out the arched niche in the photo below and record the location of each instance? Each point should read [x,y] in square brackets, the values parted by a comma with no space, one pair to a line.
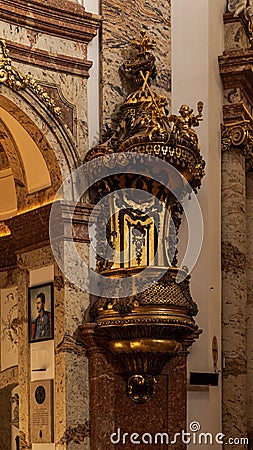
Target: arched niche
[37,152]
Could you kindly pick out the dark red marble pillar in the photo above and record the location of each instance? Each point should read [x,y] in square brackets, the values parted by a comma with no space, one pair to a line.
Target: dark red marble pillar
[177,399]
[102,399]
[146,420]
[116,421]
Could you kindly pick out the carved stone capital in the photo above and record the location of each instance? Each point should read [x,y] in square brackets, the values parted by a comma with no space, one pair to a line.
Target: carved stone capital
[239,135]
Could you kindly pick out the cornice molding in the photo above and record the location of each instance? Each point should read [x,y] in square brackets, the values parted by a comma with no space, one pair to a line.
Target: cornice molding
[68,218]
[241,19]
[8,257]
[30,230]
[36,221]
[229,17]
[236,70]
[236,112]
[41,58]
[58,18]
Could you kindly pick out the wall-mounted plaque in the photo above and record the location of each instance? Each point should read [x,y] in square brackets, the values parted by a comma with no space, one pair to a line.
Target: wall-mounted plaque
[42,411]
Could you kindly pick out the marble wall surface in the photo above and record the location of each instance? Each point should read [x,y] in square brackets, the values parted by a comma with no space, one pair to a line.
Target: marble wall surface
[122,22]
[48,39]
[249,261]
[236,236]
[36,265]
[51,42]
[234,295]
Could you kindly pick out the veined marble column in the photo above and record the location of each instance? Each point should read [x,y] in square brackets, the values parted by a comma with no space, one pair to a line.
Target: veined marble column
[237,159]
[234,295]
[249,211]
[66,364]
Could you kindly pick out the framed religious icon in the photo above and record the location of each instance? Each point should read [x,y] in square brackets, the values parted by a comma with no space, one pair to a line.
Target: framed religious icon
[41,312]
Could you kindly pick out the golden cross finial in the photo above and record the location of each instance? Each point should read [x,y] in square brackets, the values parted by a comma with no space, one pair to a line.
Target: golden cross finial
[144,44]
[142,65]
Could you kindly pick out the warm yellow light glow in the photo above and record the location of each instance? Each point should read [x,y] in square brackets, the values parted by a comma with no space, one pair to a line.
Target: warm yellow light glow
[38,205]
[36,171]
[8,200]
[4,230]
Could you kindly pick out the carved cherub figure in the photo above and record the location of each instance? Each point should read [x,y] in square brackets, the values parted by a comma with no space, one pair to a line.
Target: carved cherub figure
[183,124]
[157,115]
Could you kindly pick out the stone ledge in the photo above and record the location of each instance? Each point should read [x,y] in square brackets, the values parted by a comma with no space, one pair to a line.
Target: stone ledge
[54,17]
[56,62]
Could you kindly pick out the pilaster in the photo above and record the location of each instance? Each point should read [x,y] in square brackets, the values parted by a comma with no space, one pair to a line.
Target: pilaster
[67,363]
[237,144]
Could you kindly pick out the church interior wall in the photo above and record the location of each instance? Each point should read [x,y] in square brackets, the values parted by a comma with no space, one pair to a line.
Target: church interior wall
[56,55]
[121,22]
[187,64]
[195,76]
[249,209]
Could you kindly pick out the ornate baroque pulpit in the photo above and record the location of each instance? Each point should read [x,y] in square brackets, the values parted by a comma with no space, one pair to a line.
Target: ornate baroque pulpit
[141,321]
